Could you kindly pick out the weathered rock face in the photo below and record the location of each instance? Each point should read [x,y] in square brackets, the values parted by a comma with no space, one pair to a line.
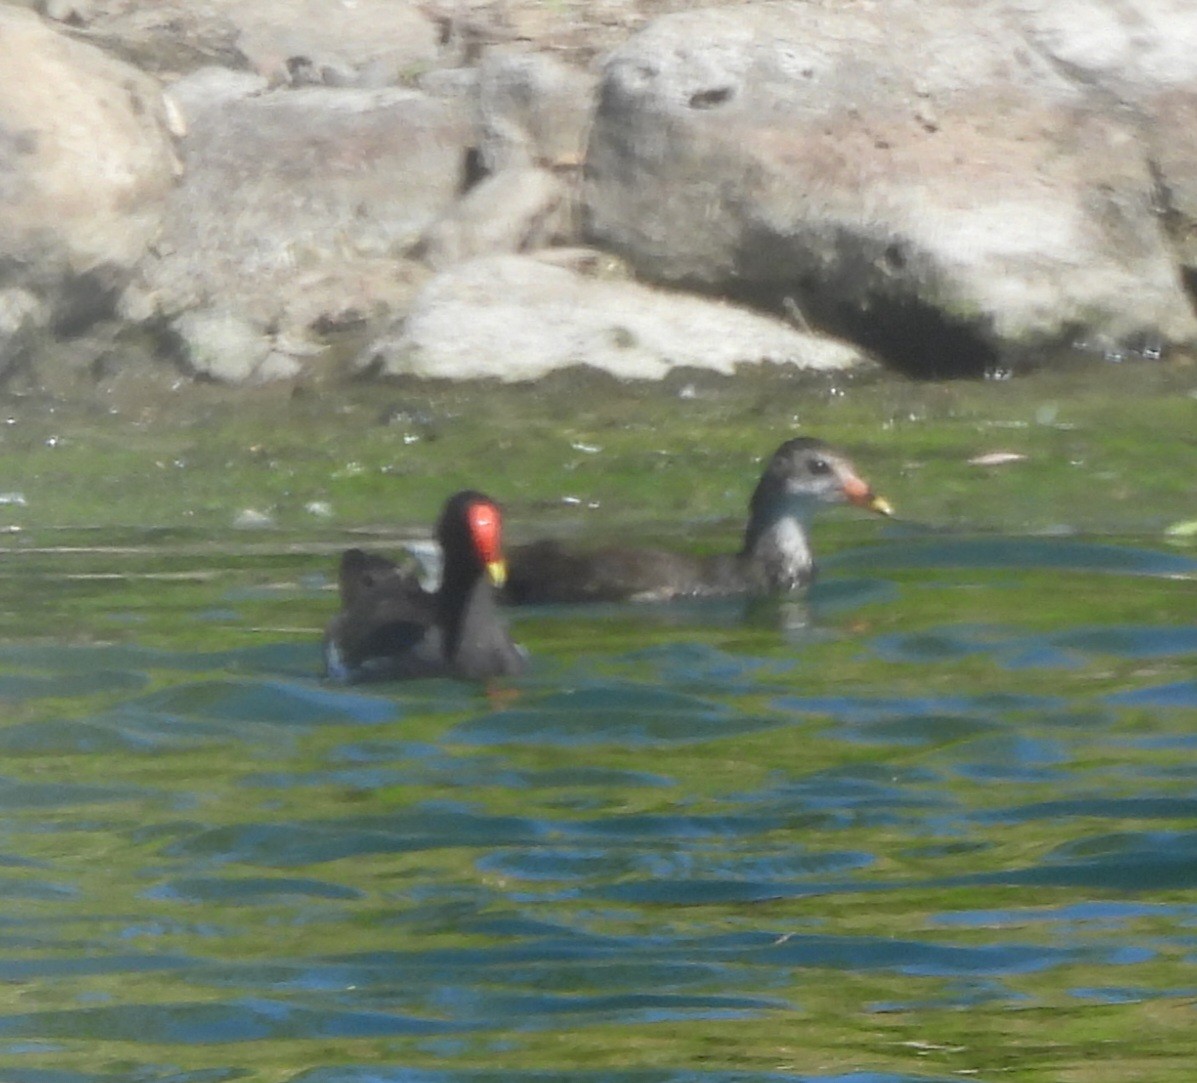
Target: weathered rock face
[366,43]
[325,40]
[86,164]
[1171,134]
[518,318]
[511,211]
[932,180]
[951,185]
[1140,59]
[532,114]
[297,207]
[532,110]
[209,86]
[311,41]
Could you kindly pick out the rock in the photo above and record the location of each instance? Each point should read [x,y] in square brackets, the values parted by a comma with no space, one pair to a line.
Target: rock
[277,365]
[532,116]
[253,519]
[212,86]
[933,181]
[533,110]
[164,38]
[579,32]
[1127,51]
[221,345]
[298,205]
[450,84]
[518,318]
[224,347]
[955,186]
[22,319]
[1174,162]
[71,12]
[510,211]
[1142,58]
[86,165]
[369,43]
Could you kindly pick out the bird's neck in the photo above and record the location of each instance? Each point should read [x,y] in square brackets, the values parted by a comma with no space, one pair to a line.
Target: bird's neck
[476,643]
[461,590]
[776,543]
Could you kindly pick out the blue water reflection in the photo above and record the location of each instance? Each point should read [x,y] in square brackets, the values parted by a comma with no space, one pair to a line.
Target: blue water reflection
[215,864]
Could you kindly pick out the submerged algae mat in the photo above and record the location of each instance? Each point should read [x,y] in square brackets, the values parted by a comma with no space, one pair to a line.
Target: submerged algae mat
[935,821]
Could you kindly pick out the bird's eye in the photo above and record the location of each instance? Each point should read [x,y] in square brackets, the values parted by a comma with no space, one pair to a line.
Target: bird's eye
[819,466]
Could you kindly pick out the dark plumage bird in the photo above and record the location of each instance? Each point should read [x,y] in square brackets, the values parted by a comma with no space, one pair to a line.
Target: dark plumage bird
[390,628]
[802,476]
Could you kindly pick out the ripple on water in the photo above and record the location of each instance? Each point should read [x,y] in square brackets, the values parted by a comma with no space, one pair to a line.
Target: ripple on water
[199,1023]
[916,720]
[1130,641]
[393,762]
[376,1074]
[1001,551]
[95,660]
[561,864]
[611,713]
[249,890]
[1108,913]
[431,826]
[908,956]
[17,795]
[1014,648]
[18,687]
[1132,861]
[265,702]
[1012,757]
[1180,695]
[854,795]
[197,713]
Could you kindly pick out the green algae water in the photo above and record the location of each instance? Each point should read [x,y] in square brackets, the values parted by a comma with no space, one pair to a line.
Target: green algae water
[935,821]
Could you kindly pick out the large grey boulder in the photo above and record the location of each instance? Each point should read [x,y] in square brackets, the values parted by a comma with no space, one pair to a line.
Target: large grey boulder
[297,209]
[86,165]
[954,185]
[1140,58]
[518,318]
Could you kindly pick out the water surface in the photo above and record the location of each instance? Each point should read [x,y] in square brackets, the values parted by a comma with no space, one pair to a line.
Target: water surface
[937,822]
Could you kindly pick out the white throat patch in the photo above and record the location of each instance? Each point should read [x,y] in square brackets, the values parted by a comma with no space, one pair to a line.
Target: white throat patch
[785,551]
